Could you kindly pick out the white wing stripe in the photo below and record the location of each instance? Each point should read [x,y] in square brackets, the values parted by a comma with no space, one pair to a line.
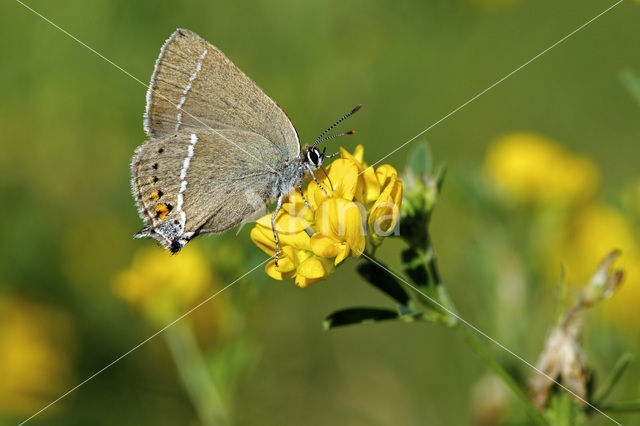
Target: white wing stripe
[183,99]
[183,178]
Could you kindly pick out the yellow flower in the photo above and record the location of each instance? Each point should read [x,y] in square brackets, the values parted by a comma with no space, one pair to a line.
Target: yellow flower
[533,169]
[596,230]
[315,239]
[385,212]
[369,187]
[380,193]
[163,286]
[296,258]
[339,230]
[36,361]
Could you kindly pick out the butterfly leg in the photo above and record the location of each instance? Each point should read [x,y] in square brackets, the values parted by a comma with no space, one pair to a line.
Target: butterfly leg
[273,226]
[332,155]
[316,180]
[302,194]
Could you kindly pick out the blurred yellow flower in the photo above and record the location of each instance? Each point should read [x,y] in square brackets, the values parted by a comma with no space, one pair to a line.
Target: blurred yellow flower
[314,239]
[163,286]
[36,356]
[533,169]
[596,230]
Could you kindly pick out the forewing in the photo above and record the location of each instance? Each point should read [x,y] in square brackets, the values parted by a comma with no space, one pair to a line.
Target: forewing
[186,181]
[194,86]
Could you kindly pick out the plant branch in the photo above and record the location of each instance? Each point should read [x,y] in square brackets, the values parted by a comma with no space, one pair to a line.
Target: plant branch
[195,376]
[490,360]
[617,372]
[622,406]
[472,338]
[445,303]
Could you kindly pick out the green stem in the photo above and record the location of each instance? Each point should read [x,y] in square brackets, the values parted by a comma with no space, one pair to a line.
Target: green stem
[622,406]
[372,255]
[195,376]
[373,250]
[472,338]
[618,371]
[564,410]
[443,298]
[489,359]
[432,263]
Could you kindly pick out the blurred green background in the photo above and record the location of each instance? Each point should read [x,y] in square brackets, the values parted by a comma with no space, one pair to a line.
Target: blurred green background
[70,122]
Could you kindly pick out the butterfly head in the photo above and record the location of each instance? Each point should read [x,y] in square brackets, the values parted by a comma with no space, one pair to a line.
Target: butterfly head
[314,157]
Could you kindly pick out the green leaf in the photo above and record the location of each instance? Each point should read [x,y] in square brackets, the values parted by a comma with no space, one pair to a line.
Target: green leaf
[407,312]
[420,159]
[618,370]
[383,280]
[414,265]
[560,297]
[631,81]
[440,175]
[206,395]
[231,361]
[563,410]
[414,230]
[351,316]
[622,406]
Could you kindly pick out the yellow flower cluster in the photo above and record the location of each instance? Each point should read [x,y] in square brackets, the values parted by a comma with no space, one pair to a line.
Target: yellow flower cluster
[162,286]
[537,170]
[36,361]
[596,230]
[530,168]
[314,239]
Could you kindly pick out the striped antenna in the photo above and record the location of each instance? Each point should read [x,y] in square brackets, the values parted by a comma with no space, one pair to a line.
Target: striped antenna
[350,113]
[350,132]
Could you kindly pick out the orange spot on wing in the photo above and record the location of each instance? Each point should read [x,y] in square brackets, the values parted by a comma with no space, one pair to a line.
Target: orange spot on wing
[162,210]
[156,194]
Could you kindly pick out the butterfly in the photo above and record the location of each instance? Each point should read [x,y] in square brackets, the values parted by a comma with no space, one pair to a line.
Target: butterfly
[219,148]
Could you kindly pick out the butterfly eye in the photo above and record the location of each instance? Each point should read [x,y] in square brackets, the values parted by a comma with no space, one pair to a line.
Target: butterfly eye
[315,157]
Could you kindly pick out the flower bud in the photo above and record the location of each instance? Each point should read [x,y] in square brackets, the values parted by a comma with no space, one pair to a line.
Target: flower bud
[604,281]
[561,360]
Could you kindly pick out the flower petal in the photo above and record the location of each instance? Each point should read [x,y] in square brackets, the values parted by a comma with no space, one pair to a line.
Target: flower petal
[343,252]
[304,282]
[357,156]
[285,269]
[354,231]
[384,174]
[285,223]
[344,177]
[315,268]
[324,246]
[386,210]
[300,210]
[371,186]
[262,233]
[263,240]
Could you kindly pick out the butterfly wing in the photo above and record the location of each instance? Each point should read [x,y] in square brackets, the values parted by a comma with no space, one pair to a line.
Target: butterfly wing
[194,86]
[189,183]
